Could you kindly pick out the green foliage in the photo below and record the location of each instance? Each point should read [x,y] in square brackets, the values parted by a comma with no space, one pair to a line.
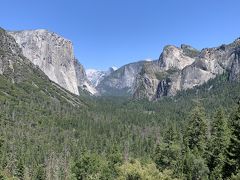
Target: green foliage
[134,170]
[48,133]
[165,74]
[20,170]
[37,121]
[2,177]
[168,153]
[220,139]
[195,166]
[234,148]
[236,177]
[168,156]
[191,52]
[196,135]
[40,173]
[161,75]
[115,155]
[90,166]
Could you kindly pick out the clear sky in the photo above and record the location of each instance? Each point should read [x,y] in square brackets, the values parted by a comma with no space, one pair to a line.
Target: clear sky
[115,32]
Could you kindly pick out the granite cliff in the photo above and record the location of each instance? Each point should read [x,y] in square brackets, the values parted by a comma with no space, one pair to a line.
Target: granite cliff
[178,68]
[21,80]
[184,68]
[54,55]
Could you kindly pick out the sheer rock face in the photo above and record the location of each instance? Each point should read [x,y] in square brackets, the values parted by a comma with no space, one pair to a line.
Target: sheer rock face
[52,53]
[26,77]
[178,68]
[162,77]
[235,68]
[82,80]
[235,65]
[96,76]
[174,58]
[120,81]
[184,68]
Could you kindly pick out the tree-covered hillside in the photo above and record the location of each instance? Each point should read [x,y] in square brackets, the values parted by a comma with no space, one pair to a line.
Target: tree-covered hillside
[48,133]
[194,135]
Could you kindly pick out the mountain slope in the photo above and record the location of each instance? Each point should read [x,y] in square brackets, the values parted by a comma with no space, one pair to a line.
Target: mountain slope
[177,69]
[96,76]
[82,80]
[21,80]
[184,68]
[155,78]
[121,81]
[131,78]
[55,57]
[46,130]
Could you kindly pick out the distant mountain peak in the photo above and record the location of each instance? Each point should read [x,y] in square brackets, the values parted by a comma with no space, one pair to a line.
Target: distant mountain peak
[148,59]
[114,68]
[96,76]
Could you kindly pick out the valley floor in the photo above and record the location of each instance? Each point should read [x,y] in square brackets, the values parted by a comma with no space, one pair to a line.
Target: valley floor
[194,135]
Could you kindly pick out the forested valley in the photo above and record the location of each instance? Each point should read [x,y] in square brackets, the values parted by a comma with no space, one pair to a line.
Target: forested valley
[194,135]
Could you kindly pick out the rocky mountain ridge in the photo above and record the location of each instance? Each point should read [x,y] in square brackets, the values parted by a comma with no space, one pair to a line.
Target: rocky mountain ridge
[121,81]
[22,80]
[96,76]
[54,55]
[178,68]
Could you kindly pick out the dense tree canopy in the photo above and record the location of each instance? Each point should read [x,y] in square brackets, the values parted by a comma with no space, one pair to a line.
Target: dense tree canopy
[181,137]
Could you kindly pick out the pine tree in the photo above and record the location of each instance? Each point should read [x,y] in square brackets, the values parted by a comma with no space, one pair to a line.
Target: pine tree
[20,170]
[115,156]
[234,148]
[1,144]
[40,174]
[196,135]
[168,152]
[2,176]
[195,139]
[90,166]
[195,166]
[220,139]
[170,135]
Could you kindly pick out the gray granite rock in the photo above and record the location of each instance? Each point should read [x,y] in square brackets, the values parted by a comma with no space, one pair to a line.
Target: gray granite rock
[55,57]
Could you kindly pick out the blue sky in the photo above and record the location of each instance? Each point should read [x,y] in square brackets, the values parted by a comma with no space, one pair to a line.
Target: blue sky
[116,32]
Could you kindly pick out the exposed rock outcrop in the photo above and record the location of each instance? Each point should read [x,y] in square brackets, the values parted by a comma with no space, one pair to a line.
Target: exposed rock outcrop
[175,58]
[82,81]
[184,68]
[27,78]
[121,81]
[163,75]
[178,68]
[96,76]
[54,55]
[235,66]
